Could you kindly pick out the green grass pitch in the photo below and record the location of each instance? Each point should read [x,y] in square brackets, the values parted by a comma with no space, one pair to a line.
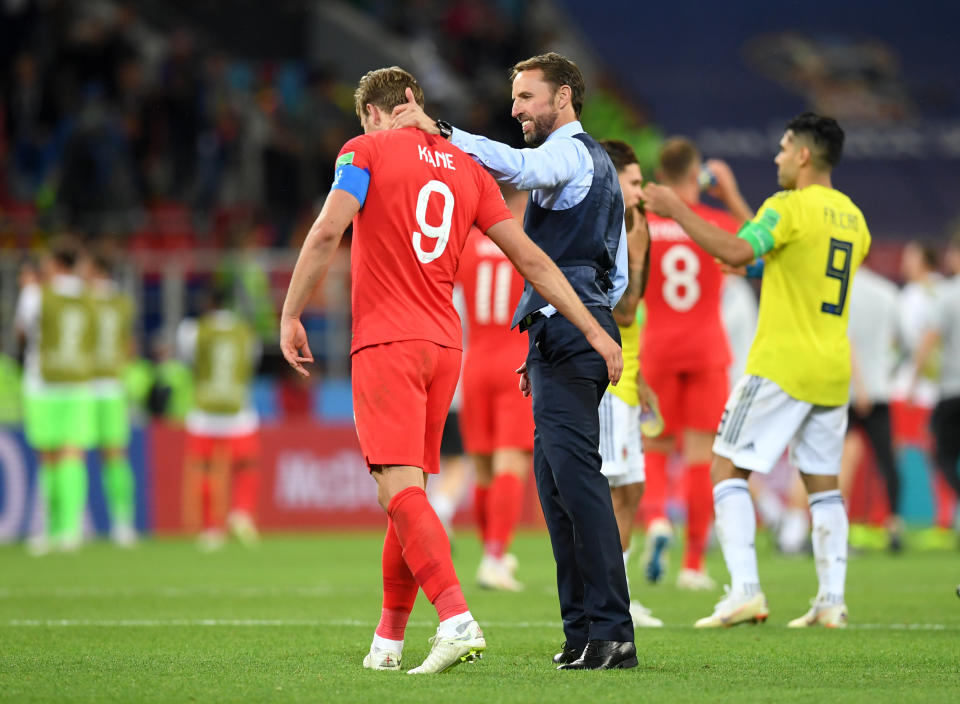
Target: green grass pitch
[291,620]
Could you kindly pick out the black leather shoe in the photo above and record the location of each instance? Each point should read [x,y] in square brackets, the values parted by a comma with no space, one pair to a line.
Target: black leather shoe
[605,655]
[567,654]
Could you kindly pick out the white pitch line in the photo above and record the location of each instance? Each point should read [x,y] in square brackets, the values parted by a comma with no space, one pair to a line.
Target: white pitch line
[167,592]
[330,623]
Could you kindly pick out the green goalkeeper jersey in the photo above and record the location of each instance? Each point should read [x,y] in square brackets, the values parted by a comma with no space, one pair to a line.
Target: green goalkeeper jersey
[67,337]
[223,364]
[113,316]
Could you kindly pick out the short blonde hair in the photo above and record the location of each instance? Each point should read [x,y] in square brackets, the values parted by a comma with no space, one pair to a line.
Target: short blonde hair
[677,156]
[385,88]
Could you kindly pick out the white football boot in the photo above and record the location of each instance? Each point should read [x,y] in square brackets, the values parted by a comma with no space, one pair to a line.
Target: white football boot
[694,580]
[822,613]
[496,574]
[381,659]
[467,646]
[733,609]
[643,617]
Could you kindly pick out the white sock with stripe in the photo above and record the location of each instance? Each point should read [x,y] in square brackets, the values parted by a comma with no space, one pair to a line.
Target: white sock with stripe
[736,530]
[830,532]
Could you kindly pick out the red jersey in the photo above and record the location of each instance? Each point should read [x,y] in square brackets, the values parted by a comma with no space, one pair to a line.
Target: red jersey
[683,329]
[423,196]
[491,289]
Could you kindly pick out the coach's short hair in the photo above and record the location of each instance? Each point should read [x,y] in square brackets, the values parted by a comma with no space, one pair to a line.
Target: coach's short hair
[557,71]
[677,156]
[385,88]
[620,153]
[825,134]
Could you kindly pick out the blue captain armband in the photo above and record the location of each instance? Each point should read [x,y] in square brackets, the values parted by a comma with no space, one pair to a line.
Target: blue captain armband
[353,180]
[755,270]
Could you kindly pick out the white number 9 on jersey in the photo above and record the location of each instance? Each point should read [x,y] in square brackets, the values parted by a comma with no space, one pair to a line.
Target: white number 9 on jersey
[680,266]
[441,232]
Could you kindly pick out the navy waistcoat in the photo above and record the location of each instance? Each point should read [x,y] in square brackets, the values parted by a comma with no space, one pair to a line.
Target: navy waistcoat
[581,240]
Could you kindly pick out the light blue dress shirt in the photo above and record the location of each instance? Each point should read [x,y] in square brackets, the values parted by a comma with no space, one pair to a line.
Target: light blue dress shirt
[558,175]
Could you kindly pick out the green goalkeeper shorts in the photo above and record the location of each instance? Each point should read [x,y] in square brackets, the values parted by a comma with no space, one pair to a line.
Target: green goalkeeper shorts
[112,421]
[54,419]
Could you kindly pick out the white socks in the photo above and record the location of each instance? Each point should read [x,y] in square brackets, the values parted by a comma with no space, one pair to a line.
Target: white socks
[736,529]
[448,627]
[794,529]
[394,646]
[626,558]
[830,531]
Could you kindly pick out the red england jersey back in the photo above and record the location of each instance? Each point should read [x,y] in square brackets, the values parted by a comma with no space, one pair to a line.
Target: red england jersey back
[424,195]
[683,330]
[492,289]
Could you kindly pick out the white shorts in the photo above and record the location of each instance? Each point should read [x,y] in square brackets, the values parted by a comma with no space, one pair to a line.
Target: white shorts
[620,447]
[761,420]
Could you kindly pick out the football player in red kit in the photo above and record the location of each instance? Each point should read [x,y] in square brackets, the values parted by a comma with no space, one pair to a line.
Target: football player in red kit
[412,198]
[496,422]
[685,355]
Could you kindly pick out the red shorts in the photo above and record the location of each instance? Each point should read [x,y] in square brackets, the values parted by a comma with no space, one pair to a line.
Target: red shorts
[239,448]
[494,414]
[690,400]
[401,395]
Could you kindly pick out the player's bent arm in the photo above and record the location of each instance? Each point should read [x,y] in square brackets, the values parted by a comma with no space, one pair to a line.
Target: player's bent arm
[550,165]
[714,240]
[537,268]
[638,269]
[728,191]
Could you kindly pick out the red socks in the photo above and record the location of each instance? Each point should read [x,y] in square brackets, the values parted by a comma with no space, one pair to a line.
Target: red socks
[699,514]
[481,499]
[504,506]
[426,550]
[246,483]
[655,494]
[399,588]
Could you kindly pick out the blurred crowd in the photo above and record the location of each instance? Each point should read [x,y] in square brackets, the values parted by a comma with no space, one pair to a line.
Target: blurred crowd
[107,120]
[112,123]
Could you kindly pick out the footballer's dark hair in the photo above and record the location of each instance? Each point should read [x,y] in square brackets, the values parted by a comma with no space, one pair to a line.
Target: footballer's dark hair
[66,251]
[385,88]
[825,136]
[620,153]
[677,157]
[557,71]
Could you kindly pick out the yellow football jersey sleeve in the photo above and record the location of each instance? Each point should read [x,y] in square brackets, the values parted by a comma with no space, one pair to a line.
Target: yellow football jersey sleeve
[626,389]
[813,241]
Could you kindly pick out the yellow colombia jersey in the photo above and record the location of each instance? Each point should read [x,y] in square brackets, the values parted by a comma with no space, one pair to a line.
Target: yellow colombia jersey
[626,389]
[813,241]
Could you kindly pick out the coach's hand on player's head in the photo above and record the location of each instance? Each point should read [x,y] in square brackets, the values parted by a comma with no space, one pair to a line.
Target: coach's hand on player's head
[294,345]
[662,200]
[608,348]
[410,114]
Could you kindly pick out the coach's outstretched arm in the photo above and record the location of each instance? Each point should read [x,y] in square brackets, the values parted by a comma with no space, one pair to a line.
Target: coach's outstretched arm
[715,241]
[312,264]
[537,268]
